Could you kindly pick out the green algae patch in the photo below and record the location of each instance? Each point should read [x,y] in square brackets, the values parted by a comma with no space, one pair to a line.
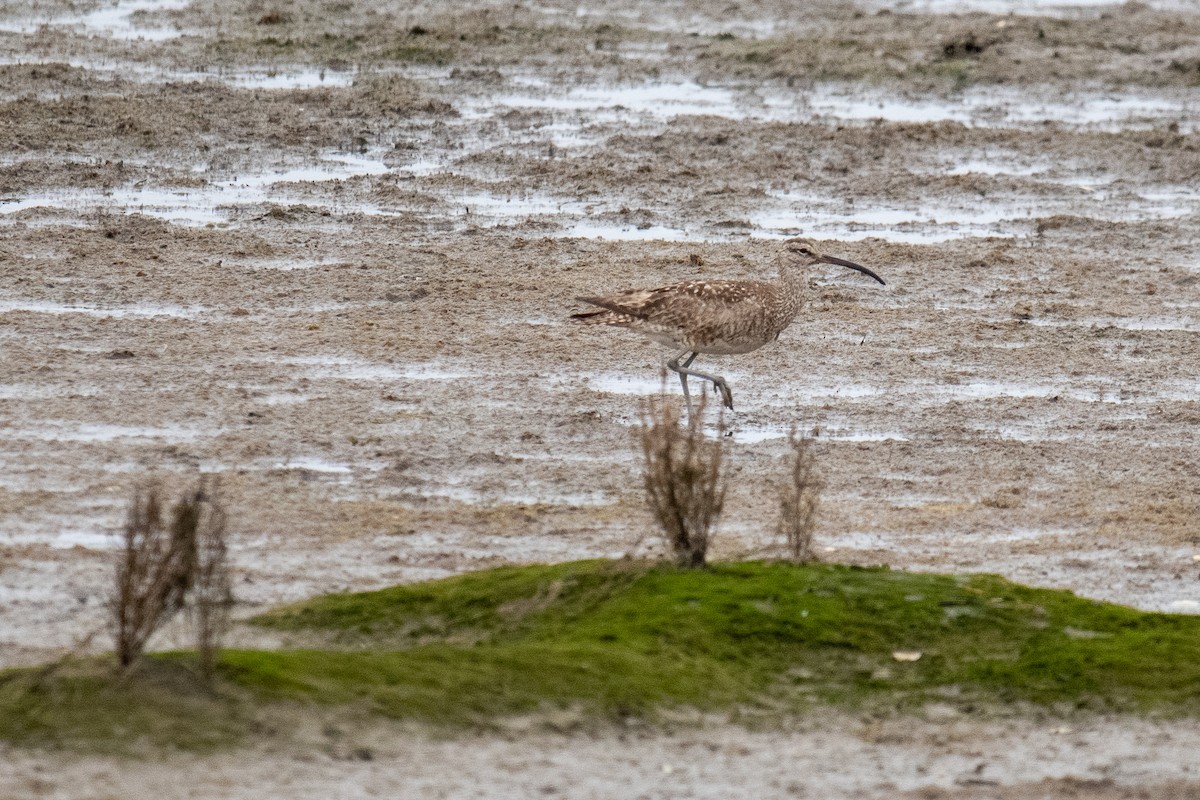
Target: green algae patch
[611,640]
[769,633]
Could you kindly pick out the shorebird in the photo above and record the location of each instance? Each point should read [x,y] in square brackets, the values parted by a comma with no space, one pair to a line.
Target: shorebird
[715,317]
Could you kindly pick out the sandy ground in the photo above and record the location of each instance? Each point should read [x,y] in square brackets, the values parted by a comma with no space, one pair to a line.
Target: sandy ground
[327,250]
[835,758]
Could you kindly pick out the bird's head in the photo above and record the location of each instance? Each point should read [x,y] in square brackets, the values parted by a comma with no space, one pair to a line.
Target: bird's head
[807,249]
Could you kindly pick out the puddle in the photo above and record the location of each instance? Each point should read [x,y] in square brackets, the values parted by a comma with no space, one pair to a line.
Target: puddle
[789,213]
[657,100]
[619,383]
[1013,107]
[315,464]
[1167,324]
[111,20]
[268,77]
[282,399]
[801,394]
[29,391]
[117,312]
[287,264]
[976,166]
[1041,8]
[632,103]
[578,109]
[89,539]
[1093,389]
[616,383]
[796,214]
[203,205]
[344,368]
[1024,433]
[753,434]
[588,229]
[793,213]
[978,106]
[286,78]
[65,539]
[88,432]
[519,205]
[467,494]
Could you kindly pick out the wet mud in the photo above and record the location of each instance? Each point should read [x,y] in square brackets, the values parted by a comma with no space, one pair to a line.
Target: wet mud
[327,253]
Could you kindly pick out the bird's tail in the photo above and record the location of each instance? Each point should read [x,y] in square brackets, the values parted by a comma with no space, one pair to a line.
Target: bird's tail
[611,312]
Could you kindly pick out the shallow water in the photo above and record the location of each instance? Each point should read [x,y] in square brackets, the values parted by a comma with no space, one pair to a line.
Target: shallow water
[112,312]
[1052,8]
[583,115]
[752,434]
[986,106]
[208,204]
[315,464]
[357,369]
[994,107]
[112,20]
[94,432]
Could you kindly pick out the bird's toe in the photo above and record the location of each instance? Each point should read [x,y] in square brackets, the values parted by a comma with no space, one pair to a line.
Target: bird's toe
[726,393]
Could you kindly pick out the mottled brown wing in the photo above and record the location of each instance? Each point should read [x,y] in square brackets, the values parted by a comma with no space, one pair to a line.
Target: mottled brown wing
[684,304]
[696,313]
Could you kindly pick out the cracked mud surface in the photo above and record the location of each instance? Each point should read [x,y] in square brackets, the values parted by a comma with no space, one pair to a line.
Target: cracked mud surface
[327,252]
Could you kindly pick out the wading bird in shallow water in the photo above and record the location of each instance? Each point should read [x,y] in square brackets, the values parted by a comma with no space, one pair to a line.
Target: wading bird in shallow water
[715,317]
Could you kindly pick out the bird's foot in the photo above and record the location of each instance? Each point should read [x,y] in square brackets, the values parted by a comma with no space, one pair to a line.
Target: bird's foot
[726,393]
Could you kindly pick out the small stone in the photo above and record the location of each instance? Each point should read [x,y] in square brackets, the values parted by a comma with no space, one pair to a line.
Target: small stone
[906,655]
[118,355]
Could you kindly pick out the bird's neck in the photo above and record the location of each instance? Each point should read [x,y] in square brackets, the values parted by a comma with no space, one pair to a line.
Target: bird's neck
[793,285]
[793,280]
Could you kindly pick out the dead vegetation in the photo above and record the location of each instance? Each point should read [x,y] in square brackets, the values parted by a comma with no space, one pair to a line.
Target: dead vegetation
[799,498]
[684,478]
[213,588]
[166,561]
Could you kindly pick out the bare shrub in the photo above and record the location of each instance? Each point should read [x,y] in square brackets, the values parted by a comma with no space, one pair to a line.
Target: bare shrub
[164,563]
[799,498]
[685,483]
[212,587]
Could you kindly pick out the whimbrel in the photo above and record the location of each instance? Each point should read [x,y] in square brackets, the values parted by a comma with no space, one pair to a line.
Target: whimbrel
[715,317]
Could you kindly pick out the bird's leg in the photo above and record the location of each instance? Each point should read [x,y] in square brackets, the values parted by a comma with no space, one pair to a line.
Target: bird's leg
[716,380]
[674,366]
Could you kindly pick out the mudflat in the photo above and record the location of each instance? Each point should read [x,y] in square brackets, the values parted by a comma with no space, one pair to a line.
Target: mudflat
[327,252]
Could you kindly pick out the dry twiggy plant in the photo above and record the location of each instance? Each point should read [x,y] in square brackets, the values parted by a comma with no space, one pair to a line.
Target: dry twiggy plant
[799,498]
[685,483]
[213,588]
[162,564]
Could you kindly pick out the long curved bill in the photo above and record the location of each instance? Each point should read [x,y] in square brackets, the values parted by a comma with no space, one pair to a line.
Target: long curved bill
[841,262]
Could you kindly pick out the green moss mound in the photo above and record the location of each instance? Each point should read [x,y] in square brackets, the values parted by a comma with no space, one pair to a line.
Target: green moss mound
[612,639]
